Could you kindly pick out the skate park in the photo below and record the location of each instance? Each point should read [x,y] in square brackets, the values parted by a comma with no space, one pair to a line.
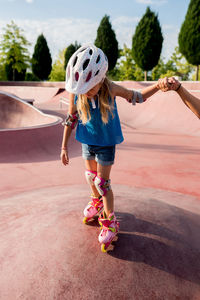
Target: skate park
[46,252]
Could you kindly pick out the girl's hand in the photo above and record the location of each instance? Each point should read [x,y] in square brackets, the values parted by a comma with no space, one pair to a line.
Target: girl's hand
[163,84]
[64,156]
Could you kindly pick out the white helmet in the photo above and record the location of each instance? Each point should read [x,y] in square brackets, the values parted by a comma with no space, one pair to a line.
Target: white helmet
[86,68]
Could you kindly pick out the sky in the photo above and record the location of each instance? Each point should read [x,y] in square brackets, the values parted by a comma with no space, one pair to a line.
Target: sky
[65,21]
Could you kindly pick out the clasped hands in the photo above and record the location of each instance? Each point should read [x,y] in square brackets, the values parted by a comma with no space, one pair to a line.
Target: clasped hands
[168,84]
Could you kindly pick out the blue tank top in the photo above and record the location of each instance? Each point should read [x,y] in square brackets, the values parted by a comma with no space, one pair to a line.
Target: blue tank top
[95,132]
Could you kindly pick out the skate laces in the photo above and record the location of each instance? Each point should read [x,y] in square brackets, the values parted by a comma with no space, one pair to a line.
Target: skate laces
[105,224]
[96,202]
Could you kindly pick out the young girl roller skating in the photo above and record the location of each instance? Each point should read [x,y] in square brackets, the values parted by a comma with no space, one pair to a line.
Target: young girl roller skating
[93,109]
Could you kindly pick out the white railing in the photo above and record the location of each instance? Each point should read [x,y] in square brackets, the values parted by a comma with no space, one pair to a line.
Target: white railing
[194,91]
[63,100]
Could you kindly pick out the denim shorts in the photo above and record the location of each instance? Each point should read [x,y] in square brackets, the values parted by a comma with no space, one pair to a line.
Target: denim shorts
[104,155]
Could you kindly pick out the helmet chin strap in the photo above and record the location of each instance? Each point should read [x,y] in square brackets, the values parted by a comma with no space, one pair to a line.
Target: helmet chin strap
[94,102]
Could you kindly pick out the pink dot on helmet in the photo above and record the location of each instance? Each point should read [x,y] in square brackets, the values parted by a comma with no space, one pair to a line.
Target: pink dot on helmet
[89,76]
[76,76]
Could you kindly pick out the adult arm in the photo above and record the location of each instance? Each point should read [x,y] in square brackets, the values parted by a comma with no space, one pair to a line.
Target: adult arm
[192,102]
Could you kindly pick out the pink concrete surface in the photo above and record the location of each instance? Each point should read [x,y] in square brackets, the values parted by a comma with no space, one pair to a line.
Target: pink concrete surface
[45,250]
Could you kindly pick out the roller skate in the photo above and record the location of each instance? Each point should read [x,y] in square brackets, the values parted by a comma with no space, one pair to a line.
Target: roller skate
[93,209]
[109,230]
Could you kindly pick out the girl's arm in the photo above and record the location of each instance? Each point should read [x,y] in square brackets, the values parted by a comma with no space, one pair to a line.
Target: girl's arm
[118,90]
[67,131]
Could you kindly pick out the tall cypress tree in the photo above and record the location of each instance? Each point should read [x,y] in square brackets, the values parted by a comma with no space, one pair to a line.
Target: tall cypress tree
[147,42]
[41,60]
[106,40]
[189,36]
[70,51]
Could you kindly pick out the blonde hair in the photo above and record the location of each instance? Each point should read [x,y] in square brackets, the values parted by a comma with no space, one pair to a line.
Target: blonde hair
[105,106]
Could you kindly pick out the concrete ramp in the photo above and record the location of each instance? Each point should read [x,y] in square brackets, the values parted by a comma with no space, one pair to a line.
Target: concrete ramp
[17,114]
[39,91]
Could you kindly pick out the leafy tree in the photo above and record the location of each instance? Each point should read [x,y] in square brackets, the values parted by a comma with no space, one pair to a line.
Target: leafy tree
[139,74]
[158,70]
[147,42]
[162,70]
[58,72]
[126,68]
[114,74]
[14,53]
[189,36]
[184,69]
[106,40]
[41,60]
[194,75]
[126,65]
[31,77]
[175,66]
[12,74]
[2,70]
[69,52]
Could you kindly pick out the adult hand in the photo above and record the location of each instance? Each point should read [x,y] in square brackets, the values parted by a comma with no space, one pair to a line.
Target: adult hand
[174,83]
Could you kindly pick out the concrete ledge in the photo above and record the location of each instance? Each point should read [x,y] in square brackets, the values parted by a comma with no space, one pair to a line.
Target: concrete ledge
[61,84]
[33,83]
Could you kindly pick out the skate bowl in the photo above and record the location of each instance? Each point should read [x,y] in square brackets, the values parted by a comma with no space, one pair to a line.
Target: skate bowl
[15,113]
[26,133]
[46,252]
